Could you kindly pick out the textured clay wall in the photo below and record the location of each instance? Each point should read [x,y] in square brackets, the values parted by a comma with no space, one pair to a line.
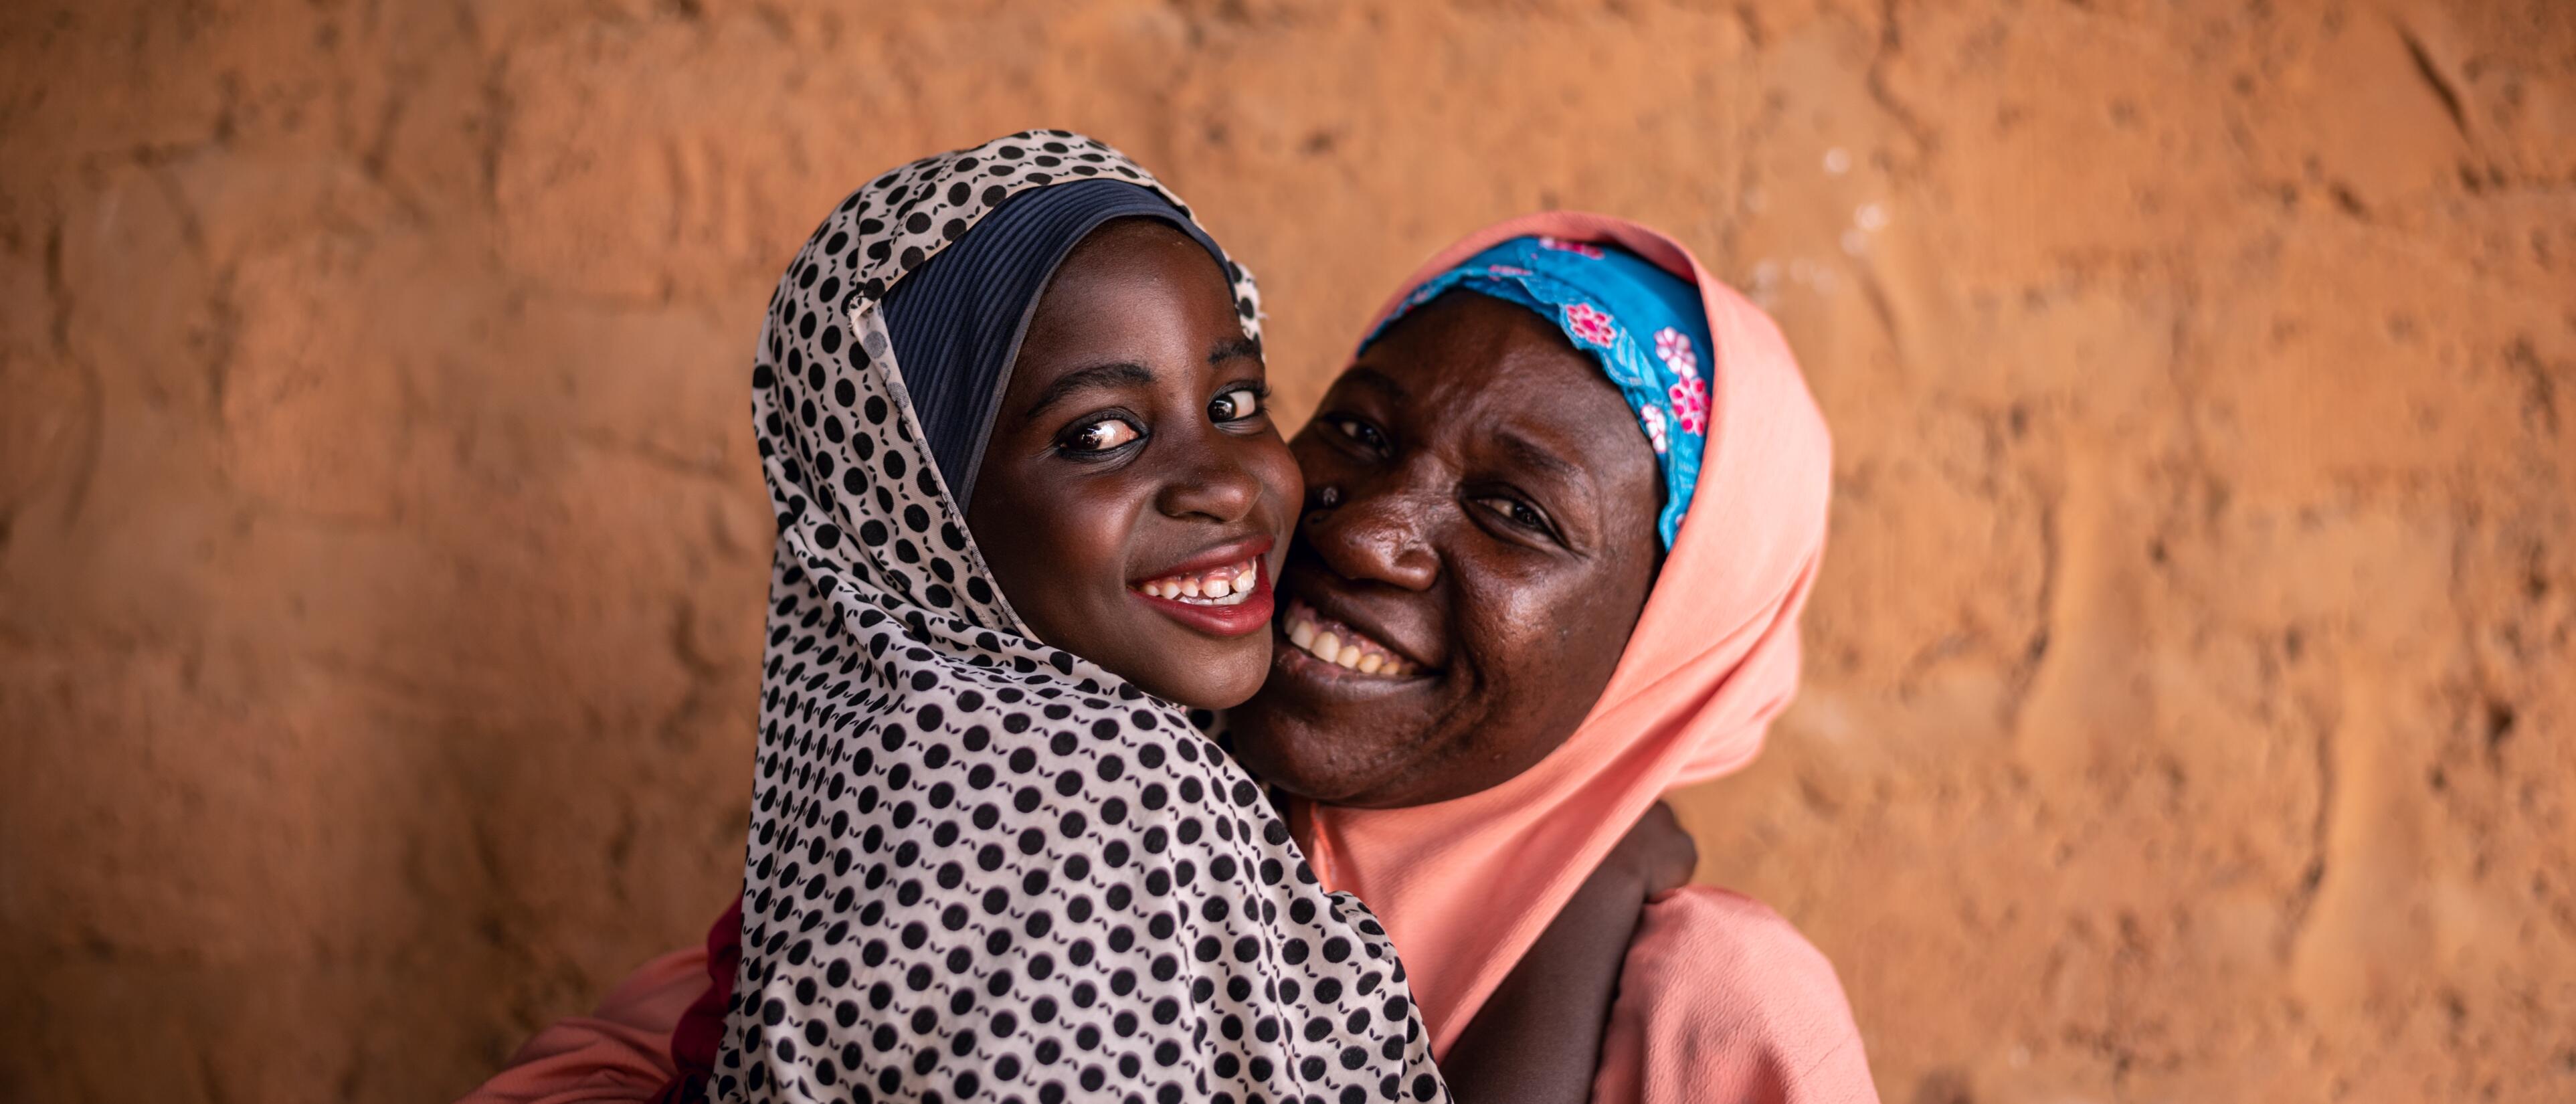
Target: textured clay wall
[2191,686]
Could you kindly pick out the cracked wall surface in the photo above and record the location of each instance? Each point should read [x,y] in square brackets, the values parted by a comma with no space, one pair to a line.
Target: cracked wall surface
[2190,683]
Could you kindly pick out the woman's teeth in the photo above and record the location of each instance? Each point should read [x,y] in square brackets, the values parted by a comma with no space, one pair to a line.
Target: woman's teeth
[1225,586]
[1342,645]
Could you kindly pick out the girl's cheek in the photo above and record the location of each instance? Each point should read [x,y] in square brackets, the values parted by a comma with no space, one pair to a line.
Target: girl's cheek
[1283,482]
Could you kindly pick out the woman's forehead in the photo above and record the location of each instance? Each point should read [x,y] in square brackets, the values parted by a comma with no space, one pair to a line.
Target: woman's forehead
[1491,385]
[1472,358]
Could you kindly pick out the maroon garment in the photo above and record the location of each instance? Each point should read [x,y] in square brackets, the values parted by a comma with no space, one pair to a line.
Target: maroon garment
[701,1028]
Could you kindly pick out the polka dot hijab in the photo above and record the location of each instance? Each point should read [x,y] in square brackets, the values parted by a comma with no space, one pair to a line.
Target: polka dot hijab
[981,868]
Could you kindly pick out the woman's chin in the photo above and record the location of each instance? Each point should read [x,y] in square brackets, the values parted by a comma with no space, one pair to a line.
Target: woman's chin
[1309,757]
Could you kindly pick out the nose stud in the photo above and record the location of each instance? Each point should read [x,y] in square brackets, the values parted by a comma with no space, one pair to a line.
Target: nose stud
[1328,498]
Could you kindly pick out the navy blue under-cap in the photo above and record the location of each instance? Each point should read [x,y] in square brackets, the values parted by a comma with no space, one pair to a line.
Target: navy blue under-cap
[957,321]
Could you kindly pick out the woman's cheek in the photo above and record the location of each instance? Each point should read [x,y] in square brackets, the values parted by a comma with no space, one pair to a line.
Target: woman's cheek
[1315,462]
[1516,642]
[1508,615]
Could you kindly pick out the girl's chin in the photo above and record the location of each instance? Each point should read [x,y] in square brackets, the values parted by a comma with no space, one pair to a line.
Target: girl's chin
[1219,681]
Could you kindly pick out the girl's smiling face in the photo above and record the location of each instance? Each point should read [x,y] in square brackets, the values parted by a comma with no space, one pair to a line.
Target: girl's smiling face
[1135,500]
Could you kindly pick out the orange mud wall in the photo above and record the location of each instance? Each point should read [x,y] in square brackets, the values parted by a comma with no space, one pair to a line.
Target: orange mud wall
[2190,685]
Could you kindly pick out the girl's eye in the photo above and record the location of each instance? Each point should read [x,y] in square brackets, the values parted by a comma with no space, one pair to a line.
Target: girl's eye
[1515,511]
[1364,434]
[1236,405]
[1100,436]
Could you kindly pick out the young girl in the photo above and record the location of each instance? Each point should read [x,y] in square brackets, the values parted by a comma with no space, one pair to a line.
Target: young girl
[989,857]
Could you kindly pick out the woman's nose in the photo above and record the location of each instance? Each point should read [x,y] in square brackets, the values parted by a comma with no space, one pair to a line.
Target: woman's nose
[1376,535]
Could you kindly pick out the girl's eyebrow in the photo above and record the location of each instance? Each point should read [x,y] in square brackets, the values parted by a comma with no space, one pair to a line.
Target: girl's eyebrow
[1230,350]
[1113,374]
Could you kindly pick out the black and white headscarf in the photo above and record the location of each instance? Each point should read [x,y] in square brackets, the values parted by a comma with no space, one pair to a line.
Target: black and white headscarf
[980,867]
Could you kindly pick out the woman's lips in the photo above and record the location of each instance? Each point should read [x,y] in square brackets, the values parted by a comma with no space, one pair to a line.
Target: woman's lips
[1228,600]
[1341,645]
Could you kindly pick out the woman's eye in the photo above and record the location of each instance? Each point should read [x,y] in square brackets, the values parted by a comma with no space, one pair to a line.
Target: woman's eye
[1235,405]
[1364,434]
[1515,511]
[1100,436]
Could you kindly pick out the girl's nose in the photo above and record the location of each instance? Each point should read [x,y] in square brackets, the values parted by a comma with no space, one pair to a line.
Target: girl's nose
[1218,487]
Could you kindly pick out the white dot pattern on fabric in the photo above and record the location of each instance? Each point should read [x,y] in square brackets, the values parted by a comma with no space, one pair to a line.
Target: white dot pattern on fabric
[981,868]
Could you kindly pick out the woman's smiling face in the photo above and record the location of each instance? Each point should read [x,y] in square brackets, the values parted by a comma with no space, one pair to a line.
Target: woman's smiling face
[1134,498]
[1490,550]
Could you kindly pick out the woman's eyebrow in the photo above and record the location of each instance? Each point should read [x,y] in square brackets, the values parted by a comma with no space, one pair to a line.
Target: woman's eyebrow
[1114,374]
[1535,455]
[1361,375]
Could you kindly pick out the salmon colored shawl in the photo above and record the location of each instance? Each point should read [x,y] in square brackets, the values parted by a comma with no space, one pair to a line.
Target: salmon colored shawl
[1465,886]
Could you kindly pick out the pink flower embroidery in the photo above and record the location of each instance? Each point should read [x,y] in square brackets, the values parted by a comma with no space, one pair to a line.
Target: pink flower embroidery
[1690,403]
[1653,417]
[1592,251]
[1590,324]
[1673,347]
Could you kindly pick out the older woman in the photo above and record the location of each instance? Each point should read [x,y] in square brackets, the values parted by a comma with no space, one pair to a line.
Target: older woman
[1563,510]
[1573,490]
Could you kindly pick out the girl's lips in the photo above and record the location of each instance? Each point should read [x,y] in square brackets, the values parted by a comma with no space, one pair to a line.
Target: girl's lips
[1233,614]
[1231,552]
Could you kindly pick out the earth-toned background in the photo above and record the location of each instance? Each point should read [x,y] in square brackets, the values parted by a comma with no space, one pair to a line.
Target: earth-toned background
[2190,684]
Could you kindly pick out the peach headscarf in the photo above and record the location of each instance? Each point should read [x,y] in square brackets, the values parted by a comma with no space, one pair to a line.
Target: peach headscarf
[1465,886]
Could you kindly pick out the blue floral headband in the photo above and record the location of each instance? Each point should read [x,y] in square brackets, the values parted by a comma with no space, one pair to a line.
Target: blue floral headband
[1644,325]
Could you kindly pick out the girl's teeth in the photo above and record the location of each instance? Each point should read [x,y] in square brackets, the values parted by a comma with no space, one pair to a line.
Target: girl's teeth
[1370,665]
[1328,648]
[1301,633]
[1226,586]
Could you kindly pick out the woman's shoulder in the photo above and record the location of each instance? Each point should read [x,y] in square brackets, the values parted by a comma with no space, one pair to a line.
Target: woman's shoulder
[1725,958]
[1720,984]
[1727,929]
